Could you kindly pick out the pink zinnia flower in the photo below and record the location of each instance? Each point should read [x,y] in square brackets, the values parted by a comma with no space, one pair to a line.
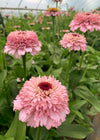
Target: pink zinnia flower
[57,0]
[45,28]
[85,21]
[16,26]
[42,101]
[94,11]
[71,8]
[49,22]
[74,41]
[67,14]
[64,31]
[28,17]
[6,16]
[18,79]
[40,19]
[52,12]
[20,42]
[32,23]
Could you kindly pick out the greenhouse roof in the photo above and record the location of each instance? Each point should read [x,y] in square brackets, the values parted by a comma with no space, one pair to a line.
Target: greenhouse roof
[85,5]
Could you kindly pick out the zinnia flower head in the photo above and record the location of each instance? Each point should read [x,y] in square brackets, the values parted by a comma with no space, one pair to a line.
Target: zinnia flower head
[53,9]
[52,12]
[42,101]
[40,19]
[94,11]
[74,41]
[71,8]
[20,42]
[16,26]
[57,0]
[6,16]
[64,31]
[85,21]
[45,28]
[28,17]
[49,22]
[32,23]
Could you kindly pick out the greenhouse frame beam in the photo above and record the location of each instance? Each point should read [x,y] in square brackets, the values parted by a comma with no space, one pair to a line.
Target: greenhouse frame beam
[6,8]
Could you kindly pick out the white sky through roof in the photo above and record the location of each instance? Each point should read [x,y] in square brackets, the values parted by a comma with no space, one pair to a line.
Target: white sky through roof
[79,5]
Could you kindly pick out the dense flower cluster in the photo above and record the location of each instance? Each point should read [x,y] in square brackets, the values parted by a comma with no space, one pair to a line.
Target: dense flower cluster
[42,101]
[85,21]
[74,41]
[52,12]
[20,42]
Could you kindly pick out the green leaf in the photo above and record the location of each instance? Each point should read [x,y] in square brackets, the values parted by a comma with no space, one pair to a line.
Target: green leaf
[70,118]
[6,138]
[49,71]
[51,48]
[56,59]
[17,129]
[33,131]
[29,63]
[2,77]
[90,49]
[56,72]
[79,114]
[73,131]
[86,94]
[19,72]
[13,88]
[1,61]
[78,104]
[74,78]
[39,70]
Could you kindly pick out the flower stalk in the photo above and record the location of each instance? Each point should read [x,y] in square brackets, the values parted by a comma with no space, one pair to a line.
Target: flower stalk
[4,62]
[38,133]
[53,19]
[56,4]
[82,56]
[81,60]
[24,65]
[68,68]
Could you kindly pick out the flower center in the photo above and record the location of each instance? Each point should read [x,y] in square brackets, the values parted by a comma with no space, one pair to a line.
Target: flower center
[87,14]
[75,34]
[45,85]
[53,9]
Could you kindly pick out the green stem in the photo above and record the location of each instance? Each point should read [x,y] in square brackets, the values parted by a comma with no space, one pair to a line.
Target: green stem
[94,42]
[38,133]
[69,64]
[56,4]
[4,62]
[24,65]
[81,60]
[84,72]
[53,19]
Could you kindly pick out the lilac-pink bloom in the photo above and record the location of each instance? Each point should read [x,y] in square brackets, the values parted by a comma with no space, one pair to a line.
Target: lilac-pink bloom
[42,101]
[53,12]
[20,42]
[85,21]
[73,41]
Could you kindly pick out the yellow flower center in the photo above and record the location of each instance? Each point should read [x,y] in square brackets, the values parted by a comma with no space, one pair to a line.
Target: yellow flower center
[53,9]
